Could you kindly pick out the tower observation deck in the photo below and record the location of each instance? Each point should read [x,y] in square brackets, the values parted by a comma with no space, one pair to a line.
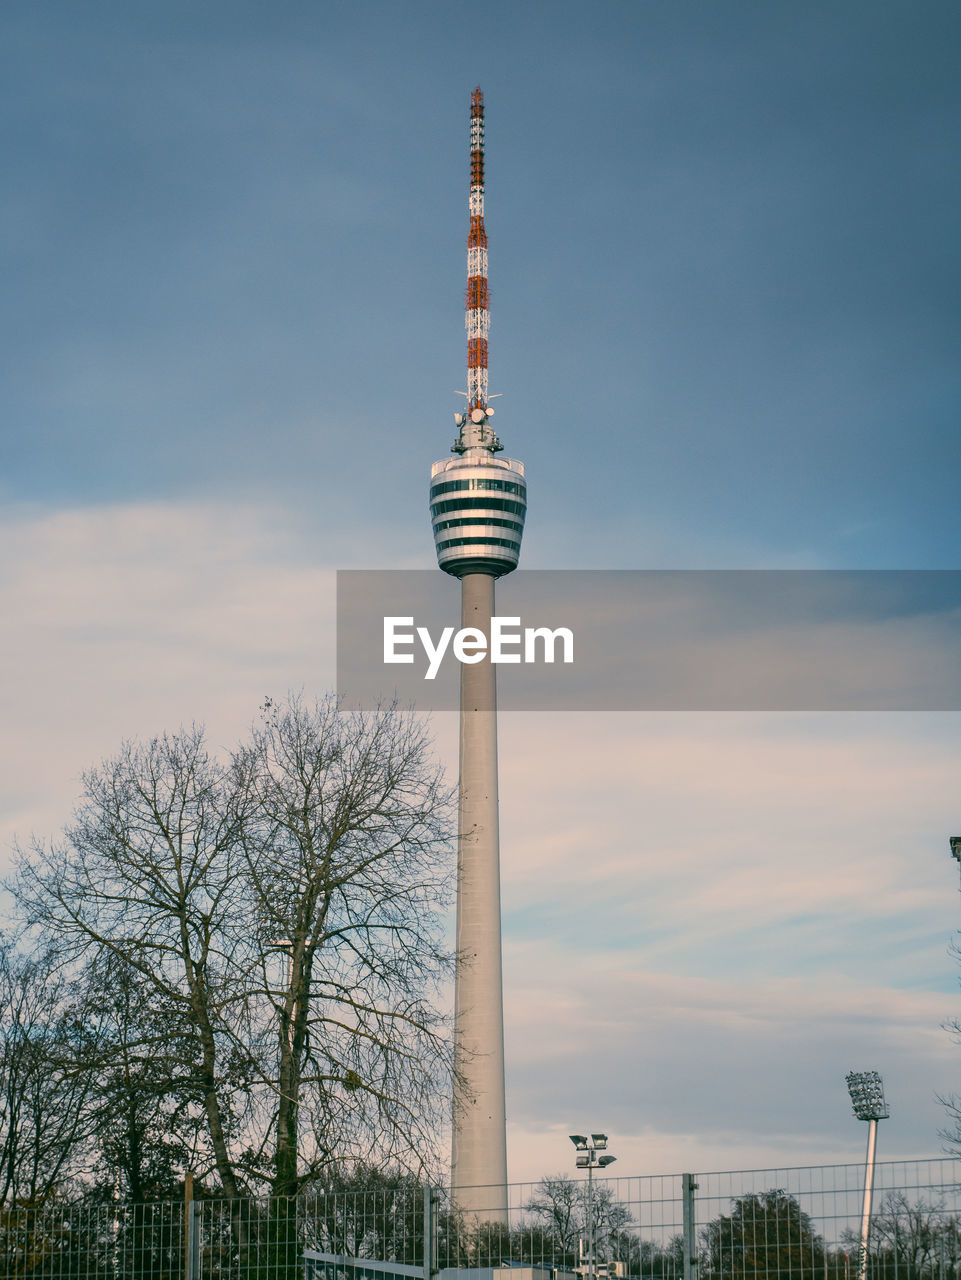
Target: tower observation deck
[478,503]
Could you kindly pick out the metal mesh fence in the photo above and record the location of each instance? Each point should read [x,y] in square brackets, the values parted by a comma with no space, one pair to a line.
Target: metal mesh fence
[804,1223]
[764,1224]
[84,1241]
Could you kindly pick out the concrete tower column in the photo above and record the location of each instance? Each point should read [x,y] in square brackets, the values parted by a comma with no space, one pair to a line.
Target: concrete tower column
[478,504]
[479,1148]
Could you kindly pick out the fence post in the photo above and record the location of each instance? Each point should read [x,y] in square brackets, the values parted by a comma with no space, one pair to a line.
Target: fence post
[192,1223]
[428,1232]
[690,1244]
[188,1201]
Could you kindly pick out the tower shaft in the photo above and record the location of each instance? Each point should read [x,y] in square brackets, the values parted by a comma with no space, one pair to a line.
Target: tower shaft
[479,1148]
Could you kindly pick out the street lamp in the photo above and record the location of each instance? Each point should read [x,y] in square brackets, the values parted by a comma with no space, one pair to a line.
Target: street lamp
[587,1158]
[867,1099]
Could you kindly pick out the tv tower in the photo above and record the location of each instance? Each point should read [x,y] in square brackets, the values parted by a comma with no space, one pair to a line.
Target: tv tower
[477,505]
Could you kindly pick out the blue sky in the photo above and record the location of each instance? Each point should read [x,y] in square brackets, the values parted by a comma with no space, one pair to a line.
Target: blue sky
[724,269]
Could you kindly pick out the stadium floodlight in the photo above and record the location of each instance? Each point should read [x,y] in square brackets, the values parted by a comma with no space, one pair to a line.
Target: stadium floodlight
[598,1141]
[579,1141]
[867,1095]
[867,1098]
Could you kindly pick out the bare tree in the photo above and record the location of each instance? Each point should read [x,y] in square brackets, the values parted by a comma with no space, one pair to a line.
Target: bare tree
[147,876]
[345,836]
[281,908]
[44,1114]
[910,1240]
[561,1205]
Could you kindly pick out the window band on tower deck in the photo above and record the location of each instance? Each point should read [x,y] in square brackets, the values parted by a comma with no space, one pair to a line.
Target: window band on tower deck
[479,542]
[479,504]
[480,482]
[483,521]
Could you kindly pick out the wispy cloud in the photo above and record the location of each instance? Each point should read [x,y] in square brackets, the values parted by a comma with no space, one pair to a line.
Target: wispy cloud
[122,621]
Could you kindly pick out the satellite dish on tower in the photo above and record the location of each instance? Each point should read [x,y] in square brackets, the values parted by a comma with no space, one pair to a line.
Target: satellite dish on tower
[477,415]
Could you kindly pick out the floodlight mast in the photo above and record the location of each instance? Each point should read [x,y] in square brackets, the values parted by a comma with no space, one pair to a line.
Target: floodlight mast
[587,1158]
[867,1099]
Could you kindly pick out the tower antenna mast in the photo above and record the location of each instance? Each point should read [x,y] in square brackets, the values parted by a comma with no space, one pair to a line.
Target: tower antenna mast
[478,314]
[475,429]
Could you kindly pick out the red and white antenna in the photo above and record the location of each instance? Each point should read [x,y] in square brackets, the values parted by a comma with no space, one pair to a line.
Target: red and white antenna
[476,431]
[478,316]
